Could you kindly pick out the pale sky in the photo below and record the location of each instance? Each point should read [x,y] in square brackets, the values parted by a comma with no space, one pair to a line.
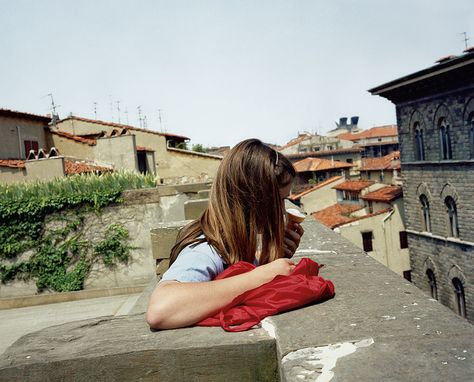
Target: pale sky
[222,71]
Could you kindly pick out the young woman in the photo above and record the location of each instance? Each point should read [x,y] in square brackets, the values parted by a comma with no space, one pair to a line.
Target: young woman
[244,221]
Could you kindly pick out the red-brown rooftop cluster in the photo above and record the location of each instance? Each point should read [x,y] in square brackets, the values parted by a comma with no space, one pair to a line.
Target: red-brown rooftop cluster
[354,185]
[387,162]
[385,194]
[319,164]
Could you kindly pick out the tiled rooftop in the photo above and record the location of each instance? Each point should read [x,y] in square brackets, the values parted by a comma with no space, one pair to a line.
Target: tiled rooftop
[353,149]
[354,185]
[89,141]
[12,163]
[387,162]
[314,188]
[295,141]
[336,215]
[319,164]
[78,167]
[385,194]
[122,126]
[374,132]
[19,114]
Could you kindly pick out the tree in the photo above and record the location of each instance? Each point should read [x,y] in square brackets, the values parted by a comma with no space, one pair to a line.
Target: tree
[199,148]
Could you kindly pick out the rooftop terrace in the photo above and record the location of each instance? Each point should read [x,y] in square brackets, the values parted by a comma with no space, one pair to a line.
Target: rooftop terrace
[379,327]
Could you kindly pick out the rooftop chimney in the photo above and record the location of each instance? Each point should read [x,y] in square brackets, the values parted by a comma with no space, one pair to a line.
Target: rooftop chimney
[354,120]
[343,121]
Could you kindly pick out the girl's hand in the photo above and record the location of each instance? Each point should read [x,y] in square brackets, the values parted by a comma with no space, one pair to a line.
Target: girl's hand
[268,272]
[293,234]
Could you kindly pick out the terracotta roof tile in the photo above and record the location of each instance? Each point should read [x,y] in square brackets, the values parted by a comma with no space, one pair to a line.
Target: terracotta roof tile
[354,185]
[374,132]
[336,215]
[319,164]
[143,148]
[90,142]
[128,127]
[13,163]
[77,167]
[19,114]
[295,141]
[340,214]
[353,149]
[387,162]
[386,194]
[314,188]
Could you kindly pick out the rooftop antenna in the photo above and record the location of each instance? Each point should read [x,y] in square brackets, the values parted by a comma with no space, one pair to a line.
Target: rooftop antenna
[118,110]
[161,120]
[145,123]
[139,108]
[126,115]
[111,108]
[95,110]
[466,39]
[54,113]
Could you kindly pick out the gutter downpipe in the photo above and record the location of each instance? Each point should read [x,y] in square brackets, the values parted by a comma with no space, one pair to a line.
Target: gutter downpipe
[19,139]
[385,235]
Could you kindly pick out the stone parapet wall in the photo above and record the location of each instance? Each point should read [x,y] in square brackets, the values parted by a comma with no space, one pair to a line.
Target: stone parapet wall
[379,327]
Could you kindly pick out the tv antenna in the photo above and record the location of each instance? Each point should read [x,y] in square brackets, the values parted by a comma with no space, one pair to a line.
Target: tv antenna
[95,110]
[145,123]
[139,108]
[466,39]
[118,110]
[54,112]
[160,119]
[126,114]
[111,108]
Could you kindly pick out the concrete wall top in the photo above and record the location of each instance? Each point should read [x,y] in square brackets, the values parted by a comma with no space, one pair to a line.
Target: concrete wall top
[379,327]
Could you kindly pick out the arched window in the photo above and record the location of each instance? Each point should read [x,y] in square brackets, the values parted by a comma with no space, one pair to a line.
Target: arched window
[432,283]
[471,133]
[453,229]
[445,139]
[459,297]
[419,144]
[425,212]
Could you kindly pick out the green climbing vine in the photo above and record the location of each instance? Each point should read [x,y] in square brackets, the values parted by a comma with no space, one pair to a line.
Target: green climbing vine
[59,258]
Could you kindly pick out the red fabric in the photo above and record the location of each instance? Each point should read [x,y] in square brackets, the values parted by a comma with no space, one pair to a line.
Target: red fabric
[302,287]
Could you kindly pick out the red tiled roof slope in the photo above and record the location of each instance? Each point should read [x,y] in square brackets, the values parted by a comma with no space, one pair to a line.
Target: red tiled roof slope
[353,185]
[336,215]
[385,194]
[128,127]
[374,132]
[319,164]
[314,188]
[12,163]
[75,167]
[387,162]
[19,114]
[295,141]
[89,141]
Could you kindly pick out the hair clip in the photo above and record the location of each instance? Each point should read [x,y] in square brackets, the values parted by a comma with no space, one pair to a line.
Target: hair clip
[276,161]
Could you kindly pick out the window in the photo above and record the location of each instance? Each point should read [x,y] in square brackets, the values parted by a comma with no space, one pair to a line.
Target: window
[419,144]
[142,162]
[459,297]
[407,275]
[432,283]
[31,145]
[471,133]
[369,175]
[403,239]
[453,229]
[381,176]
[445,139]
[349,160]
[425,212]
[371,207]
[367,241]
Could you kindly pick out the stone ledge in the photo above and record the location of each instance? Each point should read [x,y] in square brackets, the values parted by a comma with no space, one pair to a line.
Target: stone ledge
[378,327]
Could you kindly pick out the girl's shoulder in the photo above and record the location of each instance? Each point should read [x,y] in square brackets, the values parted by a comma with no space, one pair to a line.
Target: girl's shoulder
[195,263]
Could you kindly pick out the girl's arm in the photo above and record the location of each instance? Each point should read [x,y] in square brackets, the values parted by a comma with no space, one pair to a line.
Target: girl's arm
[174,304]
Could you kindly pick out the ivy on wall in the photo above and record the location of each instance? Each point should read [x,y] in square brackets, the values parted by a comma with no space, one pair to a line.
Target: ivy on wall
[60,258]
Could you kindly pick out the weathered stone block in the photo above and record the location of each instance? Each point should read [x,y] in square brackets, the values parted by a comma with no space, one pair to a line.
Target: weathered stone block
[194,208]
[163,238]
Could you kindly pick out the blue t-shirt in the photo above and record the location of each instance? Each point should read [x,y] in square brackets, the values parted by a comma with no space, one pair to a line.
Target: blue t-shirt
[195,264]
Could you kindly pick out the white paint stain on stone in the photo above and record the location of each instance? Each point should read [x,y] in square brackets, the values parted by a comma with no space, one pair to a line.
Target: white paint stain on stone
[313,251]
[388,318]
[269,327]
[316,363]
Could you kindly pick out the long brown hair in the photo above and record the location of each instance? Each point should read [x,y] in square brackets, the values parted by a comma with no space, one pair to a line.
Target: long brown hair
[244,201]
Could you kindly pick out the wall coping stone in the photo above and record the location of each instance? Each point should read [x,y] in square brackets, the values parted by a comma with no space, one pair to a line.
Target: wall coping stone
[378,327]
